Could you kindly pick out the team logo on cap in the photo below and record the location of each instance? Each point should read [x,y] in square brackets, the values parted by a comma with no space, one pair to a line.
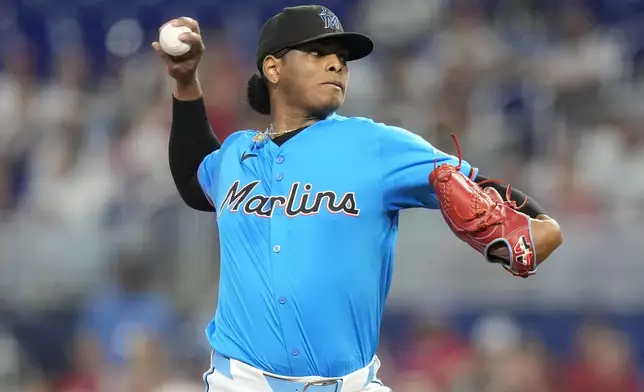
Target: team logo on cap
[330,20]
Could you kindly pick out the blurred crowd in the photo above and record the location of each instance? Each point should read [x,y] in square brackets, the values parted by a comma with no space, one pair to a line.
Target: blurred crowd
[497,356]
[107,280]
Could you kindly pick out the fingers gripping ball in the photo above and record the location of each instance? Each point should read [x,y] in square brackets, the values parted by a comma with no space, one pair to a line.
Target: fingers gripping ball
[485,221]
[170,41]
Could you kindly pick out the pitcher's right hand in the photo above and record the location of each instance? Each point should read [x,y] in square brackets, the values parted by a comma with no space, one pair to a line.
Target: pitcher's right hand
[184,68]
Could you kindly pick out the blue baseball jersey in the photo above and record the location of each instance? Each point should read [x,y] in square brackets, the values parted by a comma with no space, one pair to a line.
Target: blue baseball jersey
[307,235]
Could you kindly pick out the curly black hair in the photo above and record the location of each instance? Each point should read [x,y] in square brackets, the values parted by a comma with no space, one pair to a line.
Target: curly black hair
[257,95]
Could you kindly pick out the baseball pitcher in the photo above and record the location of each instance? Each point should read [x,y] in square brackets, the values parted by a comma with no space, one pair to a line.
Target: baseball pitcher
[308,211]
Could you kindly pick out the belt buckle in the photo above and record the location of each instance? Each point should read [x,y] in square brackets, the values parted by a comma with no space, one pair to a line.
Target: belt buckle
[323,383]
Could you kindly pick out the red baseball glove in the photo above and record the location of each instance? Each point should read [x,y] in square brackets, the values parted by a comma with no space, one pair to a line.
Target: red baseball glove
[481,218]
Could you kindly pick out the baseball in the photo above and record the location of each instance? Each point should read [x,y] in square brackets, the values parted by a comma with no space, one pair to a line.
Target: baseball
[170,42]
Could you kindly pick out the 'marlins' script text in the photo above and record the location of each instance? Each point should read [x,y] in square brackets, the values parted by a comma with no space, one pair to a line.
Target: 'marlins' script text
[305,204]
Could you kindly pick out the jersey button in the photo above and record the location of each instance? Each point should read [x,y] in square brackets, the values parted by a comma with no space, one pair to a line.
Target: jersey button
[279,177]
[279,159]
[295,352]
[276,248]
[282,300]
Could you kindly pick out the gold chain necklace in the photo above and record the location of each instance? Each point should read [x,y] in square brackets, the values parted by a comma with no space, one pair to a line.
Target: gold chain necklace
[273,135]
[268,132]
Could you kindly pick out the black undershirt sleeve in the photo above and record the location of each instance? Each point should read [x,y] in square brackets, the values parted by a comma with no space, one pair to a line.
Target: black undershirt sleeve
[531,208]
[191,140]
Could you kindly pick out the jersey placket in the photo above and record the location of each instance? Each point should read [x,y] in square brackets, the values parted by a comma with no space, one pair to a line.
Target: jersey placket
[281,256]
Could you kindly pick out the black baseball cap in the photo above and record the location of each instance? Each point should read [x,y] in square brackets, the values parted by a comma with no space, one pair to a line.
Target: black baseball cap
[299,25]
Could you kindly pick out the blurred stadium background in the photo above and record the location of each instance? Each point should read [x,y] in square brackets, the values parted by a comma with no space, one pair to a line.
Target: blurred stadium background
[107,280]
